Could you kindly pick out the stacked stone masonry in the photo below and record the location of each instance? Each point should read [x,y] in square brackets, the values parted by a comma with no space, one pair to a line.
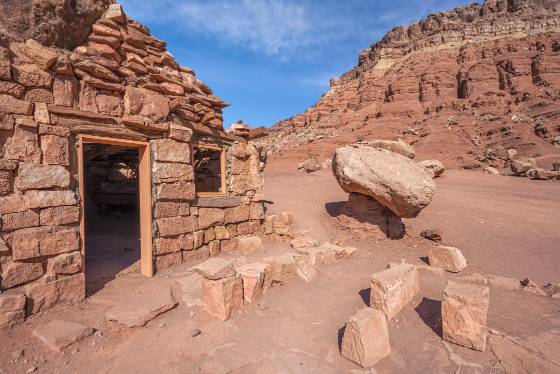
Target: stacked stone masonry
[121,83]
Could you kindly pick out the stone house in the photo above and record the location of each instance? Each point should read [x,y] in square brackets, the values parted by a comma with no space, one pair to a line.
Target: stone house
[113,123]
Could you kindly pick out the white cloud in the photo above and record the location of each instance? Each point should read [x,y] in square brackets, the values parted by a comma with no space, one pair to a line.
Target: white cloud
[272,27]
[284,28]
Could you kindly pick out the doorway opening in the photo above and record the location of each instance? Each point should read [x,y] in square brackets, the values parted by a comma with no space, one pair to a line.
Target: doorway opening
[116,209]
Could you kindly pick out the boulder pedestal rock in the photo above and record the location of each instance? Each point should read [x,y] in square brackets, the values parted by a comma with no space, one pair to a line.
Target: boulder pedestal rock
[393,288]
[223,297]
[464,310]
[366,217]
[447,258]
[393,180]
[397,146]
[366,338]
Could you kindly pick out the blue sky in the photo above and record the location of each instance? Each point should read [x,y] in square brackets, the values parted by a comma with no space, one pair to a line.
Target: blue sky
[272,59]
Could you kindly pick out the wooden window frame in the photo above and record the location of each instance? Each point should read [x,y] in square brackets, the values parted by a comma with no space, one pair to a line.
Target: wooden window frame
[145,195]
[222,151]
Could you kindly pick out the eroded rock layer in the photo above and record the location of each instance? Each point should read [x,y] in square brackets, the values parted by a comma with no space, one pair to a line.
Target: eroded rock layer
[462,87]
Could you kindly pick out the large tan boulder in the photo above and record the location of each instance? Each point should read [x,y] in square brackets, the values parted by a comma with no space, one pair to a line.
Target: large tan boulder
[366,338]
[464,310]
[393,180]
[397,146]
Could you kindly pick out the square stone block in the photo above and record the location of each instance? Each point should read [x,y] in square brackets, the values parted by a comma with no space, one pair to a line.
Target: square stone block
[393,288]
[366,338]
[222,297]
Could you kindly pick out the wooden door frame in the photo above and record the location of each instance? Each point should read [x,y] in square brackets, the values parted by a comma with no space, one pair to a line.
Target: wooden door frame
[145,194]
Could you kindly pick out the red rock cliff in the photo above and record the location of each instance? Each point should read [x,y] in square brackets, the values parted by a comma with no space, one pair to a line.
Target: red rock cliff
[461,86]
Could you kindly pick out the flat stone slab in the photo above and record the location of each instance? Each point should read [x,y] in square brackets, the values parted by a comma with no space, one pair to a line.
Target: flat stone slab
[217,202]
[142,306]
[215,268]
[58,334]
[191,289]
[464,311]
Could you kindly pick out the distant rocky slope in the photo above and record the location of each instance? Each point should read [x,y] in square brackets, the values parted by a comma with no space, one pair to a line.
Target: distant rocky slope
[462,86]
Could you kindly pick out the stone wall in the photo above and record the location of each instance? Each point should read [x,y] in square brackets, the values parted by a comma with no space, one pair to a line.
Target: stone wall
[120,83]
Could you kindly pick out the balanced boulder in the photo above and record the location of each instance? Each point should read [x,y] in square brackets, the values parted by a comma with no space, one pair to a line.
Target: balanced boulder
[397,146]
[393,180]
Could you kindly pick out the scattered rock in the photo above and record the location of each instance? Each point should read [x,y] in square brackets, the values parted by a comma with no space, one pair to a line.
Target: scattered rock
[391,179]
[366,338]
[215,268]
[434,167]
[394,288]
[195,333]
[532,287]
[552,289]
[304,242]
[520,167]
[448,258]
[434,235]
[491,170]
[464,310]
[58,334]
[541,174]
[310,165]
[16,355]
[511,153]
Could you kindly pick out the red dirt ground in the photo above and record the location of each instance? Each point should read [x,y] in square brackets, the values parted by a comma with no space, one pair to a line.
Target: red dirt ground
[505,226]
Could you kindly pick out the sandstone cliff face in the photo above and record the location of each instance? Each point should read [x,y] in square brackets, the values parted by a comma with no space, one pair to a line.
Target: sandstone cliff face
[462,86]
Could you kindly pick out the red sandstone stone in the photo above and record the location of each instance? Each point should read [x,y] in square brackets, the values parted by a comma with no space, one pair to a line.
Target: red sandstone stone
[45,295]
[17,273]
